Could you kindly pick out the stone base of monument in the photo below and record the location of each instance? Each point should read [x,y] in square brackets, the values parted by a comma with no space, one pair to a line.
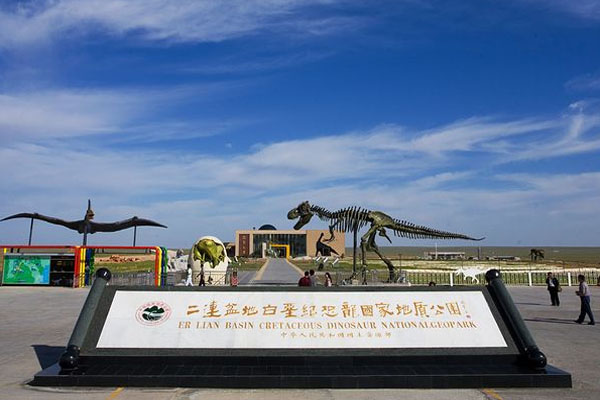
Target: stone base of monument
[284,337]
[339,372]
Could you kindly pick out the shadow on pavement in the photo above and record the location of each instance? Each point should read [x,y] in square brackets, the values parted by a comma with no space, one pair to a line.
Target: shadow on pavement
[551,320]
[47,355]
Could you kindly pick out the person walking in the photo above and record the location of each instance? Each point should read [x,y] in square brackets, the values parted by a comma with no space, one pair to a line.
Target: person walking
[553,287]
[188,281]
[584,295]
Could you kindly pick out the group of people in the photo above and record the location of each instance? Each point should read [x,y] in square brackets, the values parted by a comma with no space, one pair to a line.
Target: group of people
[310,279]
[202,282]
[583,292]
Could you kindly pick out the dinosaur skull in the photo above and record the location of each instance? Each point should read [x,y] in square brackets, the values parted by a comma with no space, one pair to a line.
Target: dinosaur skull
[303,212]
[89,214]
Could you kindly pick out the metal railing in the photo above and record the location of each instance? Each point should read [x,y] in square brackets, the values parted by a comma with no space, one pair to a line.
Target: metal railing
[379,276]
[130,279]
[522,278]
[174,278]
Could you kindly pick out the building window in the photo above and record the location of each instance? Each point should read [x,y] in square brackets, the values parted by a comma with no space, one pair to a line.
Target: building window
[297,242]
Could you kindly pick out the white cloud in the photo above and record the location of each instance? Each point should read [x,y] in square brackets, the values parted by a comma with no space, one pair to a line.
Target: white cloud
[63,113]
[178,21]
[258,63]
[41,21]
[558,185]
[587,82]
[577,133]
[466,135]
[585,9]
[412,175]
[385,152]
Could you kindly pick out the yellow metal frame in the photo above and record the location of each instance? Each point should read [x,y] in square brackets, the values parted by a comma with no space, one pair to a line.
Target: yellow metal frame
[287,249]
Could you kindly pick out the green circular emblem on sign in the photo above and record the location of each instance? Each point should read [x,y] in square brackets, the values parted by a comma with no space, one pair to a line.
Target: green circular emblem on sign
[153,313]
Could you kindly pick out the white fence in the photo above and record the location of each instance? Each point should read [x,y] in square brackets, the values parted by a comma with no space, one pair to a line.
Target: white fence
[510,277]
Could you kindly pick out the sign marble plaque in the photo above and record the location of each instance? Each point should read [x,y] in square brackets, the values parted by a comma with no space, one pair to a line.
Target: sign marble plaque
[300,320]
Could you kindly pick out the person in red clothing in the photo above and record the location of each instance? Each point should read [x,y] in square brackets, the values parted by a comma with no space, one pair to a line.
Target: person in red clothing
[305,280]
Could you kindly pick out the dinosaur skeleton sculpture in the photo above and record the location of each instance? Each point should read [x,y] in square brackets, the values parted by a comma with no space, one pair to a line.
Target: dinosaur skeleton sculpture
[354,218]
[86,225]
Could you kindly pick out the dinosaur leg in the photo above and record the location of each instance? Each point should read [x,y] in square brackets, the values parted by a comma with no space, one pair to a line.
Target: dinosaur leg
[364,240]
[372,246]
[364,243]
[332,235]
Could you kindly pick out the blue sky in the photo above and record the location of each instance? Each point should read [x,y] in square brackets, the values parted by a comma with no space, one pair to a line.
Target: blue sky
[479,117]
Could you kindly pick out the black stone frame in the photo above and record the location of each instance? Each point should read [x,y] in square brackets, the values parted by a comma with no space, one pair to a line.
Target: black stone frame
[522,364]
[91,339]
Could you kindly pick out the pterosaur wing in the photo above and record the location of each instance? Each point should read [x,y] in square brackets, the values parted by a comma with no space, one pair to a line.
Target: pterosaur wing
[120,225]
[75,225]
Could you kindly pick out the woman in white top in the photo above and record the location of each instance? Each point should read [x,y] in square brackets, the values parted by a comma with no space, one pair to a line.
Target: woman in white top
[328,281]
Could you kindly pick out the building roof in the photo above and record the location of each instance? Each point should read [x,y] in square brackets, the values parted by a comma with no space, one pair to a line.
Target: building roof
[267,227]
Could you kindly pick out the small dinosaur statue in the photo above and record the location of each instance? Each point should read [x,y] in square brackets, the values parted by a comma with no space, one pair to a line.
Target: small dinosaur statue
[209,249]
[536,253]
[324,249]
[86,225]
[354,218]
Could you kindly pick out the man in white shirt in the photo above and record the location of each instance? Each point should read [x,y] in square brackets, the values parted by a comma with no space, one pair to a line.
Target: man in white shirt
[188,281]
[584,295]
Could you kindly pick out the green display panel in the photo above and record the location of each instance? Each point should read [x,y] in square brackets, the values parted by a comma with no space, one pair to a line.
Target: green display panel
[26,270]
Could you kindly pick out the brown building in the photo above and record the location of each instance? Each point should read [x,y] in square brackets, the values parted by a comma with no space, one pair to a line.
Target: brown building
[301,243]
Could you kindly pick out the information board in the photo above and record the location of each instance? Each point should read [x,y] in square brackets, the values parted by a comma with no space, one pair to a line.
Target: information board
[26,270]
[298,320]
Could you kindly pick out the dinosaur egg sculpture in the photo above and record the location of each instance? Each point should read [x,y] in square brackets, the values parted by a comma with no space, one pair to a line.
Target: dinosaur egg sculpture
[209,256]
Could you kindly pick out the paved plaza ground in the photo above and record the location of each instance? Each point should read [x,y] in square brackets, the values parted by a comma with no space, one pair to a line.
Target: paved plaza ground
[277,271]
[37,322]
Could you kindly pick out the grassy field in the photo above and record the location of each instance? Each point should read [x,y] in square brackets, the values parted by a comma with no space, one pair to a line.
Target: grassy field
[248,264]
[410,258]
[125,267]
[552,253]
[417,271]
[377,264]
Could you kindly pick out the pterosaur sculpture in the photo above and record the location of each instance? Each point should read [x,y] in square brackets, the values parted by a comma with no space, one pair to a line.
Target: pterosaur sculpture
[86,225]
[354,218]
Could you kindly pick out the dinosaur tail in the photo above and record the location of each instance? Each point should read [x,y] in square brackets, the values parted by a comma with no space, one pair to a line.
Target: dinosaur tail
[412,231]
